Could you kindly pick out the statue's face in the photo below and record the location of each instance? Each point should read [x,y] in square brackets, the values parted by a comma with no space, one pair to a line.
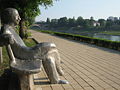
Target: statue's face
[16,17]
[10,16]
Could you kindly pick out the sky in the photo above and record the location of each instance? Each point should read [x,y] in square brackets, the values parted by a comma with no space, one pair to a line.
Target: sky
[85,8]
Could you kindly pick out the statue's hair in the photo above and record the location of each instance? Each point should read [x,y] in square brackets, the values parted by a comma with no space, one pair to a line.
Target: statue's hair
[7,15]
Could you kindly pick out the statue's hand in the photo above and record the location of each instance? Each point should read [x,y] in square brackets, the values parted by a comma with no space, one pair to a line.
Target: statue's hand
[6,39]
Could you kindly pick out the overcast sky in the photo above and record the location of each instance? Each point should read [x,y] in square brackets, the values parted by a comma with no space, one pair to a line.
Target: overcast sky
[85,8]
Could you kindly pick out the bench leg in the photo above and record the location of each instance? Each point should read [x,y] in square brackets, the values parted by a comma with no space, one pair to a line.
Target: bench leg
[26,82]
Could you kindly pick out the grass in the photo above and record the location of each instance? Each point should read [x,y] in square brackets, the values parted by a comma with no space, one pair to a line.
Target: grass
[111,32]
[29,42]
[5,64]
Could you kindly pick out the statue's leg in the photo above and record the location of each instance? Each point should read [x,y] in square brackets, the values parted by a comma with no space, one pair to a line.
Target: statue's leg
[58,62]
[50,67]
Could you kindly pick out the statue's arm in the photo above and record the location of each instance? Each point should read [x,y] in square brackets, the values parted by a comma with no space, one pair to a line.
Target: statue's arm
[6,39]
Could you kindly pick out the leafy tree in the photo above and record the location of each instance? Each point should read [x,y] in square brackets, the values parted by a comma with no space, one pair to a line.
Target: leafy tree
[102,22]
[92,18]
[86,23]
[80,21]
[117,22]
[71,22]
[63,21]
[28,9]
[54,23]
[91,21]
[109,23]
[48,21]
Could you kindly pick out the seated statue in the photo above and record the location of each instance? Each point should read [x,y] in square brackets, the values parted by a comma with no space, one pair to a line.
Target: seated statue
[45,51]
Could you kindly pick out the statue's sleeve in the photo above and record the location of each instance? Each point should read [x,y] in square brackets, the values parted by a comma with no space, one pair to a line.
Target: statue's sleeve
[5,39]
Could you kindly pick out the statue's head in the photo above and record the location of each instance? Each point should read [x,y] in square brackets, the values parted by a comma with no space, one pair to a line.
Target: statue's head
[10,16]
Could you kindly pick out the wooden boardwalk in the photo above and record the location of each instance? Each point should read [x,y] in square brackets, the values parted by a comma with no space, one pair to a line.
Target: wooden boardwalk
[86,67]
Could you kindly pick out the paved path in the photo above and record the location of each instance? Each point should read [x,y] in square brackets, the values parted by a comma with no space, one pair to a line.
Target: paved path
[86,67]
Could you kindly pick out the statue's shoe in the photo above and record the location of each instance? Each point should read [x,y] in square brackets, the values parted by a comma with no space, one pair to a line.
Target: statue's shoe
[63,82]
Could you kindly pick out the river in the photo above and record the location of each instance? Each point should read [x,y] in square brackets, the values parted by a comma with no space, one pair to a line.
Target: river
[107,37]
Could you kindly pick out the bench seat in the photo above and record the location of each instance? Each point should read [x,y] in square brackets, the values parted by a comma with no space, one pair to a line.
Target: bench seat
[26,66]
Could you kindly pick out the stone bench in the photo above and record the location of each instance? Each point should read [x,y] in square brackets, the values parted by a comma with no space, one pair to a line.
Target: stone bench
[24,69]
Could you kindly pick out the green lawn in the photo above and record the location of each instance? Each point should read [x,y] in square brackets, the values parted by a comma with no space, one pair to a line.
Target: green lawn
[5,63]
[29,42]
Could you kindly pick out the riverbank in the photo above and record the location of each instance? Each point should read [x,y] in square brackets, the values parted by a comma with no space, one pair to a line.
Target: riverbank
[81,31]
[96,41]
[117,33]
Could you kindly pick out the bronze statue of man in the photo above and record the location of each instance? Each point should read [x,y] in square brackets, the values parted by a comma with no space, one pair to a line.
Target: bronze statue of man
[45,51]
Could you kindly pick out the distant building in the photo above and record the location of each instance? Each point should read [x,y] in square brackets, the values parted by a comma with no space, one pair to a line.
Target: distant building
[113,18]
[96,24]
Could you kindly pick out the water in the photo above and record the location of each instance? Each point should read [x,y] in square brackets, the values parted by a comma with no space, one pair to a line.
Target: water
[108,37]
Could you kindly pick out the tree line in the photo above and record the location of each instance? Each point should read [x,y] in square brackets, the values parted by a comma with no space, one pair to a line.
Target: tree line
[80,22]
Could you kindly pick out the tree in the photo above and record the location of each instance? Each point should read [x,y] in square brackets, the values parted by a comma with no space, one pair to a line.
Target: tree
[63,21]
[80,21]
[71,22]
[102,22]
[48,21]
[28,9]
[91,21]
[109,23]
[86,23]
[54,23]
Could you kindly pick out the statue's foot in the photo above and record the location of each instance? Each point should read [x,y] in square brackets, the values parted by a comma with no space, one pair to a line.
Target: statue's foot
[63,82]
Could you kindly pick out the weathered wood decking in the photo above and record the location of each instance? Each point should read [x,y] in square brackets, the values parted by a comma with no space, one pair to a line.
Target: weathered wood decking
[86,67]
